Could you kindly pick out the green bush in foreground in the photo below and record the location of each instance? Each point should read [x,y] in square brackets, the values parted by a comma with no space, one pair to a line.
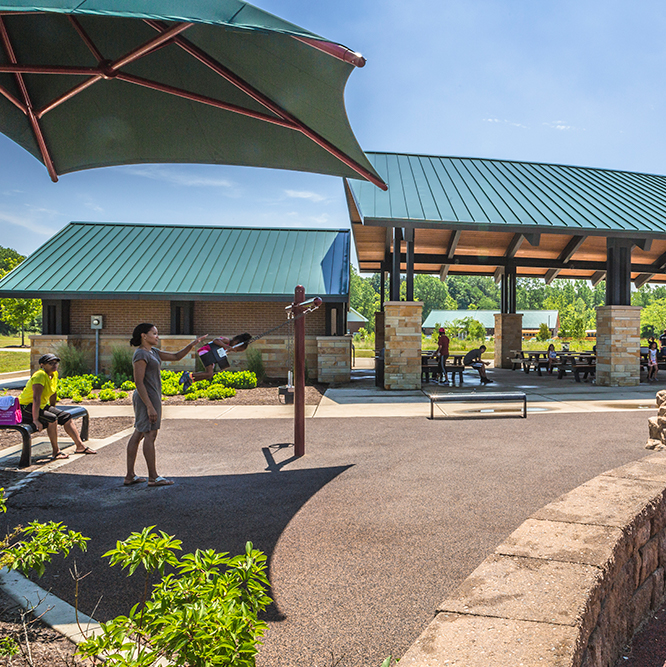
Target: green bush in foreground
[204,613]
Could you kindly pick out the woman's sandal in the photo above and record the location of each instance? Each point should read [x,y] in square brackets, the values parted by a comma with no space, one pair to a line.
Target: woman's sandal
[134,480]
[160,481]
[59,455]
[86,450]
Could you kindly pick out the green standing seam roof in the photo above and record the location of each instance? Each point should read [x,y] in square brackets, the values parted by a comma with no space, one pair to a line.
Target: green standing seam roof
[109,260]
[504,194]
[532,319]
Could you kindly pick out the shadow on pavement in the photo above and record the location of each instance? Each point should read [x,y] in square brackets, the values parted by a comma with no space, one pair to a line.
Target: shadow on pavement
[218,512]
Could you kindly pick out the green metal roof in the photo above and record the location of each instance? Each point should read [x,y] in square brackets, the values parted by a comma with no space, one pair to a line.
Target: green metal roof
[502,195]
[532,319]
[115,260]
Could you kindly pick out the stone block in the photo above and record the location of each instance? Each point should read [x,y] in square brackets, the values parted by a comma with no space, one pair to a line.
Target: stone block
[605,547]
[455,640]
[530,589]
[649,556]
[606,501]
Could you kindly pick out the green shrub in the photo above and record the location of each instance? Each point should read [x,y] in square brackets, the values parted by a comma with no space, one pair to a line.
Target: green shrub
[91,397]
[217,392]
[128,385]
[238,380]
[107,395]
[76,398]
[69,386]
[121,362]
[72,360]
[121,394]
[255,363]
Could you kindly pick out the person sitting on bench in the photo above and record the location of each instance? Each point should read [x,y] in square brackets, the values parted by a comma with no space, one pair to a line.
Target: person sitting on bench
[473,359]
[38,407]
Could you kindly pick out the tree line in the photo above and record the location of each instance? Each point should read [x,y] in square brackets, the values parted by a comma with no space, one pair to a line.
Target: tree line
[17,314]
[576,300]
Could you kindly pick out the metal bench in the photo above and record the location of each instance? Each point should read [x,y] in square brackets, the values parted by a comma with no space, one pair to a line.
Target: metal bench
[27,430]
[486,398]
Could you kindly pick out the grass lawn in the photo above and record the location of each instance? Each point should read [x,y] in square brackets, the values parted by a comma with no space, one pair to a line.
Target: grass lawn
[14,361]
[6,341]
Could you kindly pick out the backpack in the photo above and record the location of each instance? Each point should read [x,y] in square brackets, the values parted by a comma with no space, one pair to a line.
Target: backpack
[10,411]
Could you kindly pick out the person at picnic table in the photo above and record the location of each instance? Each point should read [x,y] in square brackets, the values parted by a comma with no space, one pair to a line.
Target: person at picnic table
[38,407]
[147,399]
[473,359]
[552,358]
[442,355]
[653,364]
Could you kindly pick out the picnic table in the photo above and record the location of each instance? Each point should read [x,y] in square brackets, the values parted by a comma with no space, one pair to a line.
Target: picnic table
[430,366]
[538,359]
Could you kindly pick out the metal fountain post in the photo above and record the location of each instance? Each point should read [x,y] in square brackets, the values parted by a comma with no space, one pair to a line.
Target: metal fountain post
[299,368]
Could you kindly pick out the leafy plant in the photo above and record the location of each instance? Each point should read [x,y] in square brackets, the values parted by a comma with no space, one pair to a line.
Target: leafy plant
[202,615]
[72,360]
[69,386]
[255,363]
[128,385]
[217,392]
[107,395]
[121,362]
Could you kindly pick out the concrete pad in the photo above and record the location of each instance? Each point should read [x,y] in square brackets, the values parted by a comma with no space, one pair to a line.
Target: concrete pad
[379,409]
[565,542]
[605,501]
[262,412]
[529,589]
[110,410]
[454,640]
[52,610]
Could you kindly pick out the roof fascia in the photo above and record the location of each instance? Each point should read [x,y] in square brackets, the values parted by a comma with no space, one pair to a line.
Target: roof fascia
[526,230]
[139,296]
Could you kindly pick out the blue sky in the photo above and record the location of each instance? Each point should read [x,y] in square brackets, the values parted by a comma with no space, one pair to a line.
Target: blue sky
[564,82]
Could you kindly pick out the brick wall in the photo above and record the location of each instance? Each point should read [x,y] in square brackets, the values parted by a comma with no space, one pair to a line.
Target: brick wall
[618,346]
[508,338]
[402,340]
[334,359]
[217,318]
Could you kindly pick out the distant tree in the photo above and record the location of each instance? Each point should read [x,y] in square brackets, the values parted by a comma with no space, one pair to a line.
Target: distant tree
[476,330]
[653,318]
[544,332]
[18,313]
[363,298]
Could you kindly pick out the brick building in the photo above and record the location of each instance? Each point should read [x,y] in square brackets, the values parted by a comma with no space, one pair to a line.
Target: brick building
[188,281]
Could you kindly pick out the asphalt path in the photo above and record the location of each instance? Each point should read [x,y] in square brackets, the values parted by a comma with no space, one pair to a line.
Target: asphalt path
[365,535]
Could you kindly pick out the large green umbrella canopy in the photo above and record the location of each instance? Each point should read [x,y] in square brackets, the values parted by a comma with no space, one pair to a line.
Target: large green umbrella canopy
[108,82]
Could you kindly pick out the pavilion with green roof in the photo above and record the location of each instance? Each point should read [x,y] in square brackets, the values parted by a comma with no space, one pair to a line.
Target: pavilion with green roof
[509,219]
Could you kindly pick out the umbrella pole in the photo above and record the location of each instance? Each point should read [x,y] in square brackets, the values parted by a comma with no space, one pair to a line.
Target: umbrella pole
[299,368]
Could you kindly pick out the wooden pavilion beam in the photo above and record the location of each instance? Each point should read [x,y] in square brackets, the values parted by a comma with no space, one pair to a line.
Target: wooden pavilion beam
[450,251]
[597,277]
[569,250]
[658,267]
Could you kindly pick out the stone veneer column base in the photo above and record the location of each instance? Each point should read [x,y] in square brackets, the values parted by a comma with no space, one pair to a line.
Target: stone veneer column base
[334,359]
[618,346]
[402,344]
[508,338]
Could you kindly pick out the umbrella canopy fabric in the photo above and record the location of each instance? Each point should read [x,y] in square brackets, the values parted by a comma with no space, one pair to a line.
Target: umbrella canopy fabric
[109,82]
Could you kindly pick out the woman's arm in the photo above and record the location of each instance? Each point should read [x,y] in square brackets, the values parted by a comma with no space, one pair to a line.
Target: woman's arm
[177,356]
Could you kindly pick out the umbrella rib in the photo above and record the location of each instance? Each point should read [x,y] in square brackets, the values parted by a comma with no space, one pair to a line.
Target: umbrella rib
[13,100]
[109,70]
[86,39]
[29,112]
[256,95]
[179,92]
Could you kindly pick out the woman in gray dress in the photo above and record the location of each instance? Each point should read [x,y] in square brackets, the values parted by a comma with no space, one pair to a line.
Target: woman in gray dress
[147,399]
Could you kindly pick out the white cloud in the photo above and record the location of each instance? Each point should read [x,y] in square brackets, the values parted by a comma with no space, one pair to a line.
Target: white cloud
[182,178]
[560,125]
[506,122]
[25,223]
[304,194]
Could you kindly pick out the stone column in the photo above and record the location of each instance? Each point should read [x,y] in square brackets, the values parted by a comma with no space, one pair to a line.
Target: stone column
[618,346]
[508,338]
[402,342]
[334,359]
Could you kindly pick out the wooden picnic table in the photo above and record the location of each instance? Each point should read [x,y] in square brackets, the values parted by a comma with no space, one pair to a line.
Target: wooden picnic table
[430,366]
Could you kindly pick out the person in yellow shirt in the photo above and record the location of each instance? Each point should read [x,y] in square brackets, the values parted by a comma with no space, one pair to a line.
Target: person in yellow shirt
[38,401]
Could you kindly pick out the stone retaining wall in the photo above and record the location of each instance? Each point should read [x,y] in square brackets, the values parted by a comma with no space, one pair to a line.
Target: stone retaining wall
[568,588]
